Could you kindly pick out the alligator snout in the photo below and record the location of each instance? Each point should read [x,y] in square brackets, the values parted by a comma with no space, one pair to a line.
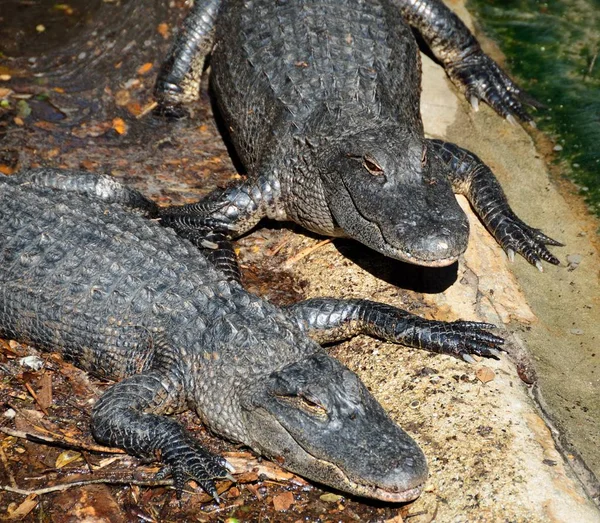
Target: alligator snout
[436,245]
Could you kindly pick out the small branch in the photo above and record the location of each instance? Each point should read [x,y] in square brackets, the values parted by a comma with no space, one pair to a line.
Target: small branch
[107,480]
[35,397]
[306,252]
[60,441]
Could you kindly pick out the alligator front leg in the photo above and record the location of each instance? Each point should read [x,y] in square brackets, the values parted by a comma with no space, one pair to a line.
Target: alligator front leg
[329,320]
[475,73]
[128,415]
[223,215]
[178,80]
[472,178]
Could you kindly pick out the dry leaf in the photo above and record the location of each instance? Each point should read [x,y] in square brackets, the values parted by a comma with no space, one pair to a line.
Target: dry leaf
[330,497]
[66,457]
[485,374]
[283,501]
[119,125]
[145,68]
[29,503]
[122,97]
[163,30]
[44,394]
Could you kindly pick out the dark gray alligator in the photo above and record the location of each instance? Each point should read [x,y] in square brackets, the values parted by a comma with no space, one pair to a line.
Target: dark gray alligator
[321,100]
[83,271]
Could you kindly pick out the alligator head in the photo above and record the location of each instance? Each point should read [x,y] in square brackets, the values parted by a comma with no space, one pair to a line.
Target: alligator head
[386,190]
[316,418]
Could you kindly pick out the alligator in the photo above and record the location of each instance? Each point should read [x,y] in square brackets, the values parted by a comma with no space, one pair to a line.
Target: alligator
[320,99]
[85,272]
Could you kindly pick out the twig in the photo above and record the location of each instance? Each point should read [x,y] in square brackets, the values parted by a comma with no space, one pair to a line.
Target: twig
[280,245]
[146,110]
[306,252]
[34,395]
[109,480]
[61,441]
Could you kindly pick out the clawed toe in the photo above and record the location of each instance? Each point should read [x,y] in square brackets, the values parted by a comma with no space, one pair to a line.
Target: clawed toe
[482,79]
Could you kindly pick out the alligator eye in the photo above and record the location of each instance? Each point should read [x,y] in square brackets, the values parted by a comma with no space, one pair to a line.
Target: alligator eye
[308,404]
[372,166]
[312,406]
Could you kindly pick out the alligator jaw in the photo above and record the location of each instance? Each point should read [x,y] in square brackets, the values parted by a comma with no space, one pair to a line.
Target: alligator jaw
[374,492]
[348,443]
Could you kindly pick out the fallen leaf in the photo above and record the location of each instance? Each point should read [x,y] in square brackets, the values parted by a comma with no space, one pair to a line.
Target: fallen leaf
[330,497]
[485,374]
[45,393]
[122,97]
[145,68]
[18,121]
[163,30]
[28,504]
[134,108]
[283,501]
[4,92]
[119,125]
[66,457]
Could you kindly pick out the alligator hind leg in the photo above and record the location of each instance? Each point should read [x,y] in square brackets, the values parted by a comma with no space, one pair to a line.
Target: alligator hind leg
[128,415]
[329,320]
[96,186]
[475,73]
[178,80]
[472,178]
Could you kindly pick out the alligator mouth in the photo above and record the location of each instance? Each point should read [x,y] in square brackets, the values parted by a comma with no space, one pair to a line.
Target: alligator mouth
[343,482]
[397,253]
[372,491]
[392,251]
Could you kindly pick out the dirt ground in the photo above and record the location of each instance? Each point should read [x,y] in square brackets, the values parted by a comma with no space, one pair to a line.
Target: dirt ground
[81,99]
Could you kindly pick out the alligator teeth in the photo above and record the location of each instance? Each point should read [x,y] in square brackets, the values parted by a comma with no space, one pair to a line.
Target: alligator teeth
[474,103]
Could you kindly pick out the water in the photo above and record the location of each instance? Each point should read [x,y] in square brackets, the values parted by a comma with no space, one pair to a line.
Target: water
[552,48]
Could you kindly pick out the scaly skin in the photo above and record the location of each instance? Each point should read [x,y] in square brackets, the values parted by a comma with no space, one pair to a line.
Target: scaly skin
[321,99]
[83,272]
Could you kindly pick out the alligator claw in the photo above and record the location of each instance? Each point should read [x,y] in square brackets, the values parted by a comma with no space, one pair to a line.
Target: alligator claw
[481,79]
[516,236]
[496,353]
[468,358]
[187,461]
[458,338]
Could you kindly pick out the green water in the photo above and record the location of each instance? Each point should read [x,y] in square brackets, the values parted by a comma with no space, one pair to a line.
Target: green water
[552,49]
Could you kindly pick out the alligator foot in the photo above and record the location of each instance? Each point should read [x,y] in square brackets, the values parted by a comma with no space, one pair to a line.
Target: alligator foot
[516,236]
[481,79]
[191,461]
[471,177]
[330,320]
